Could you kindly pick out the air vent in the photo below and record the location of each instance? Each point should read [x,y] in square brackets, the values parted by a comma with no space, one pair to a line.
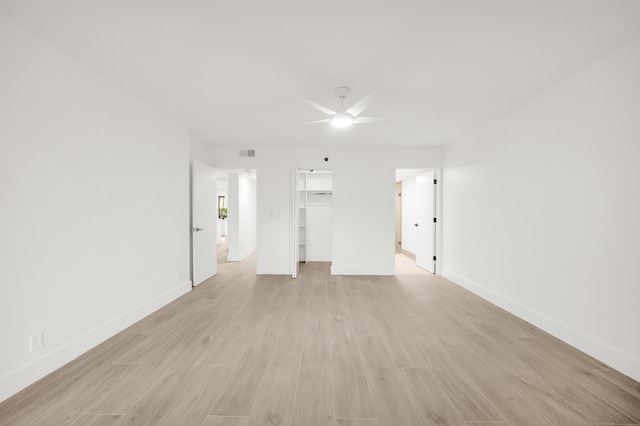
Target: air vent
[247,153]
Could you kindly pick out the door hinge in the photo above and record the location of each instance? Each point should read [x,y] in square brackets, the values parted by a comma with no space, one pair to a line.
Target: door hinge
[435,220]
[434,258]
[435,181]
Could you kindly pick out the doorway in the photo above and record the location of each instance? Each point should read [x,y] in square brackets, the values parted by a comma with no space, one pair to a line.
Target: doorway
[241,213]
[312,217]
[415,221]
[203,222]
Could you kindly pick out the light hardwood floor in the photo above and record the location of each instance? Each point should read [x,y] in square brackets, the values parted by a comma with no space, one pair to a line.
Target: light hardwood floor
[242,349]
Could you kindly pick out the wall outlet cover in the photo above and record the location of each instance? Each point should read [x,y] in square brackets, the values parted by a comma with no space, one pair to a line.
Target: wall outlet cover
[36,341]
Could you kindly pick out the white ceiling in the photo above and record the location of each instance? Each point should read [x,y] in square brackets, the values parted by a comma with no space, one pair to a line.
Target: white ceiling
[233,72]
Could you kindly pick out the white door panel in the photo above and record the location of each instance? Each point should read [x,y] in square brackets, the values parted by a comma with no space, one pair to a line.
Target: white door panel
[295,232]
[424,221]
[204,215]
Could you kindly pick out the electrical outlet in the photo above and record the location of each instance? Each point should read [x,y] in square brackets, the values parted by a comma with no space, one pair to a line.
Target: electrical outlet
[36,341]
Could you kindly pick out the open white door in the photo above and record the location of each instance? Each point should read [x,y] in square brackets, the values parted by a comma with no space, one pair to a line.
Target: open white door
[204,215]
[425,221]
[295,214]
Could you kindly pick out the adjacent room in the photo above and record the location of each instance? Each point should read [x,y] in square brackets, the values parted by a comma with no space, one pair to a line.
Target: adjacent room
[335,213]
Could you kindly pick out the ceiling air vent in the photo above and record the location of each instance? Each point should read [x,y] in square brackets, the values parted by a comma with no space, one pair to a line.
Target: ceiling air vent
[247,153]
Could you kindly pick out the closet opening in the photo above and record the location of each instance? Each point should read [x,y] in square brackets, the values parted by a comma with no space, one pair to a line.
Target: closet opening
[312,214]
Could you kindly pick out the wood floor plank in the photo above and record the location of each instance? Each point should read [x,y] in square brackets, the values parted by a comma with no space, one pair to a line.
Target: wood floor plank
[495,348]
[227,349]
[160,397]
[178,351]
[173,382]
[351,393]
[97,420]
[431,325]
[151,345]
[275,314]
[624,401]
[552,405]
[74,405]
[226,421]
[465,397]
[579,368]
[620,380]
[319,292]
[580,397]
[241,389]
[431,403]
[514,408]
[294,322]
[363,322]
[314,400]
[388,391]
[193,406]
[404,350]
[317,343]
[336,298]
[357,422]
[250,315]
[274,402]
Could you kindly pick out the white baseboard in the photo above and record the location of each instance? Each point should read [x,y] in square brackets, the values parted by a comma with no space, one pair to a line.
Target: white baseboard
[362,270]
[625,363]
[19,379]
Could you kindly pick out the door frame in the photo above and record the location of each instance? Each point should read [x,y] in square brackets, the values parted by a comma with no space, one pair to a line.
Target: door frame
[437,212]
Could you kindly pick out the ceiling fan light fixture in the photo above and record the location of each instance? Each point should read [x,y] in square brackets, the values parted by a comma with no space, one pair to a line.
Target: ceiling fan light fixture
[341,120]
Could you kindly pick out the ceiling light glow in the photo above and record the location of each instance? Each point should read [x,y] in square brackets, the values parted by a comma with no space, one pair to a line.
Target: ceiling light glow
[343,119]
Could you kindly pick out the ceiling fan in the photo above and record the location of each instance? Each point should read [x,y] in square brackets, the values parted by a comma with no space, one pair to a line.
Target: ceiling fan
[343,117]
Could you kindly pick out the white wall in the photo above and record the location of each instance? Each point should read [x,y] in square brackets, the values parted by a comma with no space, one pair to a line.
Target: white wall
[542,211]
[319,235]
[363,201]
[94,220]
[199,150]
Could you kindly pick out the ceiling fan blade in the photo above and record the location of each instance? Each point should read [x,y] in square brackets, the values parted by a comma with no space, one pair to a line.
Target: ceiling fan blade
[362,104]
[326,120]
[319,107]
[367,120]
